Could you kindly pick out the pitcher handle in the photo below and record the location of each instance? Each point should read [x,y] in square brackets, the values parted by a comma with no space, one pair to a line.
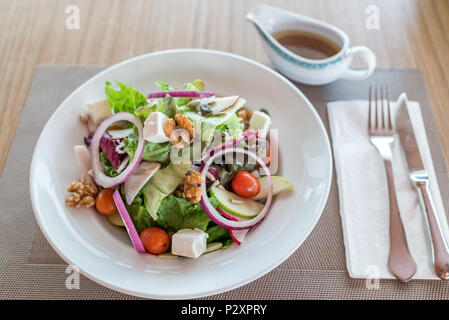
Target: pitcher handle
[369,58]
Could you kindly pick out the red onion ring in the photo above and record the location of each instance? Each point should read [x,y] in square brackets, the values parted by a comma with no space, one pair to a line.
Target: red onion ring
[237,235]
[181,94]
[213,214]
[101,178]
[132,232]
[247,135]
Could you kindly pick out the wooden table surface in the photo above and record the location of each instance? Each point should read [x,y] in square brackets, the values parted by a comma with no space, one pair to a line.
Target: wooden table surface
[412,34]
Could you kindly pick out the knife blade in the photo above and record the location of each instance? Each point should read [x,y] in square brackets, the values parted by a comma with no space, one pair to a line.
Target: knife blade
[407,137]
[420,179]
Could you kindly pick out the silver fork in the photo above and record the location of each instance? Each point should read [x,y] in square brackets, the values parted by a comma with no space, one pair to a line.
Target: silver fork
[381,135]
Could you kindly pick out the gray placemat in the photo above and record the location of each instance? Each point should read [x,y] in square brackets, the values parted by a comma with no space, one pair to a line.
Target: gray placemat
[29,268]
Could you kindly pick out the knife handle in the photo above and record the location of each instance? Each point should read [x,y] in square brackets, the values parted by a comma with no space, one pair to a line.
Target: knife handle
[400,261]
[439,251]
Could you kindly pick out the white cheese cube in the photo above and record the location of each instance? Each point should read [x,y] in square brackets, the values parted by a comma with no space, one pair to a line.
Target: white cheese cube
[98,111]
[260,121]
[189,243]
[153,128]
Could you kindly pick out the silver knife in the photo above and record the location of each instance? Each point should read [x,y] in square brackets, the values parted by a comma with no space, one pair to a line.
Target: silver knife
[420,179]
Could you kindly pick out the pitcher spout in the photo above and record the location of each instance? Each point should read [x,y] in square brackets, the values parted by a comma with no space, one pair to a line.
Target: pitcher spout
[264,17]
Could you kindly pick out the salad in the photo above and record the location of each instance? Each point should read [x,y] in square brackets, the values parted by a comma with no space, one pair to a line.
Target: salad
[185,172]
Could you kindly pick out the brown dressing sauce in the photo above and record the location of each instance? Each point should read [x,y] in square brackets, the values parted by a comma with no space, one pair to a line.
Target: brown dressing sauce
[307,44]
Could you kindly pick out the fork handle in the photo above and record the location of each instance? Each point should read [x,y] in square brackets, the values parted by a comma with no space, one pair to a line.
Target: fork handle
[439,251]
[400,261]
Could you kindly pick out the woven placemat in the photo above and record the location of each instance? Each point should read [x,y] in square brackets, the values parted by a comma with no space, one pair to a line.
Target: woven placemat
[30,269]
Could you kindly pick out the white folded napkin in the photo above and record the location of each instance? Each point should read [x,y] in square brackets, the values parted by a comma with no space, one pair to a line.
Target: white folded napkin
[362,189]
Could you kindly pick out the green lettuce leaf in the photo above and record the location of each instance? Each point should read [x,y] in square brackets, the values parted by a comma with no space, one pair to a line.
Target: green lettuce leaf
[144,111]
[158,152]
[217,233]
[140,216]
[233,127]
[195,85]
[108,169]
[130,147]
[125,99]
[168,107]
[164,86]
[178,213]
[162,184]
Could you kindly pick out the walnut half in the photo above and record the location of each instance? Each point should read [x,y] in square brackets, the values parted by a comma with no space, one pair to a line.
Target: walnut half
[191,190]
[83,194]
[193,194]
[245,114]
[180,133]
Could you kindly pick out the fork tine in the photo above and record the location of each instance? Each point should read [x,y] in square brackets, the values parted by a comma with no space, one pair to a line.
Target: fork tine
[390,125]
[370,107]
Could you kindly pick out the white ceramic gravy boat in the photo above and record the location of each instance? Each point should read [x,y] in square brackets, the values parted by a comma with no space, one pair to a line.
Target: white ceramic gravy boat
[269,20]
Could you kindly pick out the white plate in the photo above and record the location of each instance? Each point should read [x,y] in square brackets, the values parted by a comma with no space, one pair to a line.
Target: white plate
[104,253]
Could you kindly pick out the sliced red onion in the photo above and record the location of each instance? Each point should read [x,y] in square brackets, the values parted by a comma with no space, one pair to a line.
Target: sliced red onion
[230,216]
[237,235]
[211,175]
[247,135]
[132,232]
[181,94]
[100,177]
[213,214]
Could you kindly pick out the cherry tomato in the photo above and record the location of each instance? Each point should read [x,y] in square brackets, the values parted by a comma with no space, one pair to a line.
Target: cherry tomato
[245,184]
[105,203]
[155,240]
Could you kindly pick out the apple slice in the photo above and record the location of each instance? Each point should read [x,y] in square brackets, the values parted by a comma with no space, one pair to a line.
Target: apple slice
[145,170]
[280,184]
[215,106]
[223,104]
[232,203]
